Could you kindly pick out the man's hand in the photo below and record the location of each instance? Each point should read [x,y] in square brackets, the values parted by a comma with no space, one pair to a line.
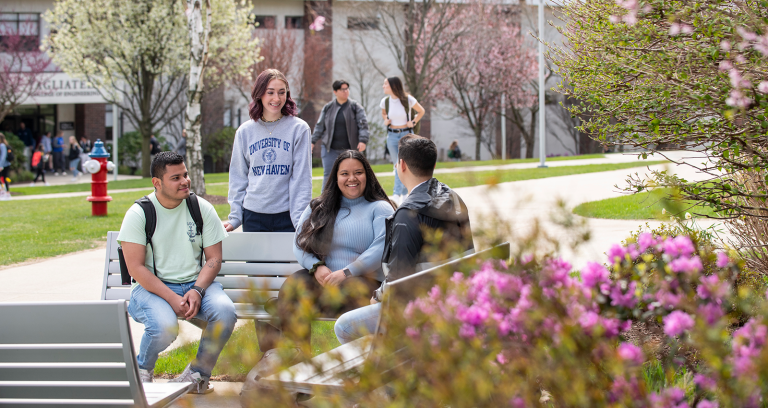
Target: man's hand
[374,301]
[322,273]
[179,305]
[335,278]
[361,147]
[192,301]
[228,227]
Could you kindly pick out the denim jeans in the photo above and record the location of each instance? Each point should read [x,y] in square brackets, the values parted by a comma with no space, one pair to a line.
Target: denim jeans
[357,323]
[73,166]
[260,222]
[161,325]
[392,139]
[329,157]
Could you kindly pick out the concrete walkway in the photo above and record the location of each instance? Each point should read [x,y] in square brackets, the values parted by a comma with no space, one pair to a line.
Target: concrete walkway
[59,180]
[79,276]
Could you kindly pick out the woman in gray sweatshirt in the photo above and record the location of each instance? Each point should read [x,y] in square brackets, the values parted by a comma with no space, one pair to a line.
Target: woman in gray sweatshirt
[270,173]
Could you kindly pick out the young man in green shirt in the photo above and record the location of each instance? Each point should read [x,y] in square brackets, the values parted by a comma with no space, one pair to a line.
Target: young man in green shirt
[171,282]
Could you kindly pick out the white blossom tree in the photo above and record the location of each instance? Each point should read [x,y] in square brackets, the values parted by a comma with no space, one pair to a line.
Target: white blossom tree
[136,53]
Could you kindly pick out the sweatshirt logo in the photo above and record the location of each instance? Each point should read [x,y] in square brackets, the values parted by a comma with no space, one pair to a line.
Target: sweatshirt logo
[269,156]
[191,232]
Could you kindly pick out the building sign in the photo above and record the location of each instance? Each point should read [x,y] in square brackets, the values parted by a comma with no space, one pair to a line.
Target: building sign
[60,88]
[66,125]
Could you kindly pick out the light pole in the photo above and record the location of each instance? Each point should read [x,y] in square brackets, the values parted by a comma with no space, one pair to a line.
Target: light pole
[542,105]
[503,130]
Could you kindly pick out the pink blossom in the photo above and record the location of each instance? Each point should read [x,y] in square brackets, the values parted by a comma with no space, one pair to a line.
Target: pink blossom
[687,265]
[678,246]
[318,24]
[631,353]
[412,333]
[616,253]
[501,358]
[645,241]
[706,404]
[725,45]
[711,288]
[725,65]
[467,331]
[674,29]
[736,78]
[614,19]
[705,382]
[627,299]
[747,35]
[668,299]
[740,59]
[593,274]
[671,397]
[711,312]
[763,87]
[588,320]
[737,99]
[747,345]
[676,323]
[687,29]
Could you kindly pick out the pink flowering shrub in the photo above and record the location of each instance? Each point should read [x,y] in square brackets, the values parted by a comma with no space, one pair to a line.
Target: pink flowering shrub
[514,333]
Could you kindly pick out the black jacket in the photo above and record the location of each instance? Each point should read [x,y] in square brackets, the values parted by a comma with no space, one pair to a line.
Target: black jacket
[354,115]
[74,151]
[431,207]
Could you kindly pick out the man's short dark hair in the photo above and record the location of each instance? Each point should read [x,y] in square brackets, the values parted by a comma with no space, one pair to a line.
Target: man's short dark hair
[419,153]
[337,84]
[163,160]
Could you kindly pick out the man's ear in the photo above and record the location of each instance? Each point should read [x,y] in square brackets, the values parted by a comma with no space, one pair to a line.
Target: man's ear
[156,182]
[401,166]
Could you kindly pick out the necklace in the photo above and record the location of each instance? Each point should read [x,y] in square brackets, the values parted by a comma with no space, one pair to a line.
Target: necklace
[264,122]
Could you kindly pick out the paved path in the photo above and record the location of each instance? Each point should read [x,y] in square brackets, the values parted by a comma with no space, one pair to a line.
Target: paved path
[58,180]
[78,276]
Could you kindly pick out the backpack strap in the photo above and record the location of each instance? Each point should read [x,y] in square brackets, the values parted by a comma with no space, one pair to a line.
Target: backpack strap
[150,223]
[386,106]
[193,205]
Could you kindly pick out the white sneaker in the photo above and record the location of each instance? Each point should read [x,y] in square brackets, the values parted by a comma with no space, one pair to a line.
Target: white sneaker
[32,184]
[56,173]
[46,183]
[74,178]
[202,384]
[146,376]
[63,173]
[4,196]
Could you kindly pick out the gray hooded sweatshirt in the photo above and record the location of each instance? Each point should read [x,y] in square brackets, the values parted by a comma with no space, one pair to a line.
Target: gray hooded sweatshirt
[270,174]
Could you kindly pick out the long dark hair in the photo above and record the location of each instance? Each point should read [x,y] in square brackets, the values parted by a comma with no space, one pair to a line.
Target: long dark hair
[256,108]
[317,231]
[397,89]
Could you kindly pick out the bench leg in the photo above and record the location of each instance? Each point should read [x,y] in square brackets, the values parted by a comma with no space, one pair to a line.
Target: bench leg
[267,334]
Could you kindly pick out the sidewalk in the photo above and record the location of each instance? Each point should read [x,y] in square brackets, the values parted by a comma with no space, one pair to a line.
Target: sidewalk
[609,158]
[79,276]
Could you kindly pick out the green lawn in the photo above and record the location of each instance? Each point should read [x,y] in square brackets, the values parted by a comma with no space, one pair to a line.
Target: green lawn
[640,206]
[241,352]
[224,177]
[49,227]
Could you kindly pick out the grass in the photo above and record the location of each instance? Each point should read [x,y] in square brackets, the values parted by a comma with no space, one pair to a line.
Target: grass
[224,177]
[241,352]
[49,227]
[640,206]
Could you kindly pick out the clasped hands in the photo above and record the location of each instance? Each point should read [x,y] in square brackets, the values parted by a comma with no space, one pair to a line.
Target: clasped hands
[188,305]
[325,276]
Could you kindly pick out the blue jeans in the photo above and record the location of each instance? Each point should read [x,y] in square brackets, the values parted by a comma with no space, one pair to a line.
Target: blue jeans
[329,157]
[260,222]
[73,166]
[393,139]
[357,323]
[161,325]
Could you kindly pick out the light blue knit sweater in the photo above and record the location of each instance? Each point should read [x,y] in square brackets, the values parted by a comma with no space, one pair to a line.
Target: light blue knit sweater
[358,238]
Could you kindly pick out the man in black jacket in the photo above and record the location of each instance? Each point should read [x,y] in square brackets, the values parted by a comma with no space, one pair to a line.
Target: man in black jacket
[342,126]
[430,227]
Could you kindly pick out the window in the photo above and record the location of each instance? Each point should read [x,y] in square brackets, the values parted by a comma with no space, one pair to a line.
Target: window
[362,23]
[227,117]
[20,31]
[264,21]
[296,22]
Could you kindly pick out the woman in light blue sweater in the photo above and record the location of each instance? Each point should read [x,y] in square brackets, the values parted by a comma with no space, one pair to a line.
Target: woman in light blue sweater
[339,242]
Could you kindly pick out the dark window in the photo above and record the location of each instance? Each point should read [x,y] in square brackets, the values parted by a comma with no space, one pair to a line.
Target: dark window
[296,22]
[264,21]
[362,23]
[20,31]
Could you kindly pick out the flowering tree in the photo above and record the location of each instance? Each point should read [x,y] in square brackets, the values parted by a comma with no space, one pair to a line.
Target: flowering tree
[22,70]
[690,74]
[136,53]
[488,60]
[281,50]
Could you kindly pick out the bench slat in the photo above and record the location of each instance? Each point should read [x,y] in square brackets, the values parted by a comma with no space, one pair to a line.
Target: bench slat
[80,330]
[61,356]
[51,373]
[50,403]
[259,247]
[68,390]
[229,282]
[240,268]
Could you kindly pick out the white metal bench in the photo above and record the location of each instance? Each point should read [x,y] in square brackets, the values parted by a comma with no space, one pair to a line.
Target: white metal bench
[253,261]
[73,354]
[338,364]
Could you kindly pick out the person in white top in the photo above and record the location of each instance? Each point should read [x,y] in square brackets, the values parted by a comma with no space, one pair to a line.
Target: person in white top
[399,123]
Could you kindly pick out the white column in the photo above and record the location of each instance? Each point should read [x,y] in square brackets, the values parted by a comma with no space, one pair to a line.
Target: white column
[542,105]
[503,130]
[115,136]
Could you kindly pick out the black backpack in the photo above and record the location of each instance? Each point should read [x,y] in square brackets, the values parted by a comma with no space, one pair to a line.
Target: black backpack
[409,113]
[149,229]
[9,154]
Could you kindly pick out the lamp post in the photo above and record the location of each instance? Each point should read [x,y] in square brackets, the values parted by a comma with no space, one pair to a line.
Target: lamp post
[542,93]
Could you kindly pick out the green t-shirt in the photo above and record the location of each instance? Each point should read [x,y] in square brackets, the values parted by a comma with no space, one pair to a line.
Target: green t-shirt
[177,246]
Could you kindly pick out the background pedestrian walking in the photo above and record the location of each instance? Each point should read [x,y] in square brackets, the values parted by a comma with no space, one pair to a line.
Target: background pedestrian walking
[58,154]
[74,157]
[5,166]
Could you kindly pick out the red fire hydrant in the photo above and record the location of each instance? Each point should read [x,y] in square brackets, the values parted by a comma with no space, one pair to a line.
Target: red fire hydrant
[98,166]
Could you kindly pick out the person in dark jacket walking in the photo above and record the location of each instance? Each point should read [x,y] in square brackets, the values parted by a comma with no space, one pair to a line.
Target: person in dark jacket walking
[74,157]
[429,206]
[342,126]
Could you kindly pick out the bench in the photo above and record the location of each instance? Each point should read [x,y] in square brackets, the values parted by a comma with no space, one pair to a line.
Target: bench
[327,372]
[68,354]
[253,262]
